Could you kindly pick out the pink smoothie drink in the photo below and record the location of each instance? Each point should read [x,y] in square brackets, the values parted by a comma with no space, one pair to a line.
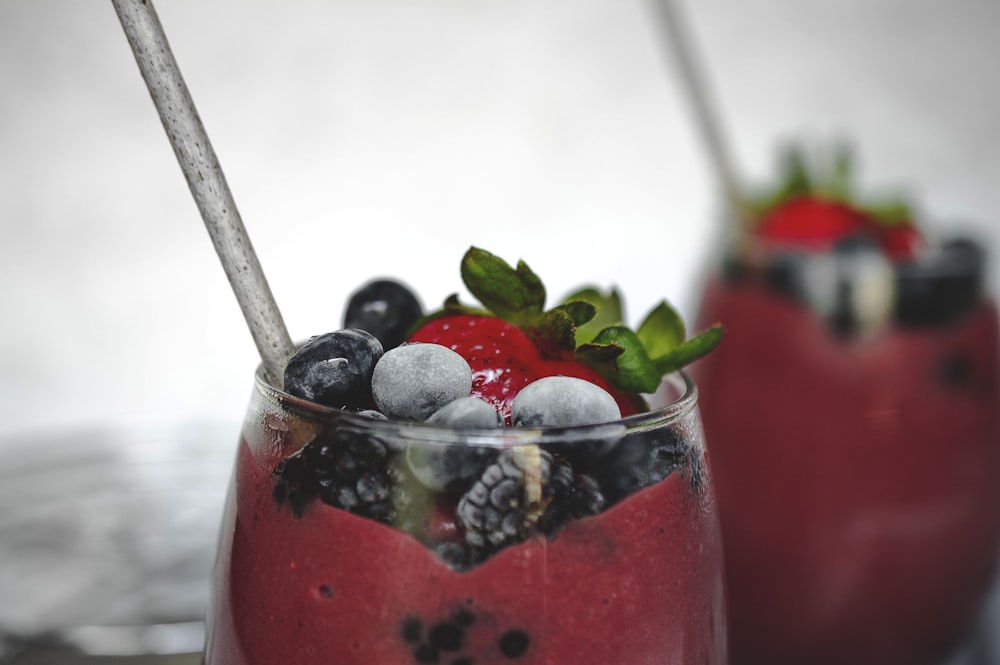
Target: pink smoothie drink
[638,583]
[475,487]
[855,441]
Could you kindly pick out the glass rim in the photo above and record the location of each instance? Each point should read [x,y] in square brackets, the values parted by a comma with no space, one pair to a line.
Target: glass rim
[420,432]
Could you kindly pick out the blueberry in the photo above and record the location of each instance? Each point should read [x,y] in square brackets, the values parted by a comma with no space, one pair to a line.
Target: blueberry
[939,288]
[415,380]
[385,308]
[334,369]
[563,401]
[466,412]
[448,468]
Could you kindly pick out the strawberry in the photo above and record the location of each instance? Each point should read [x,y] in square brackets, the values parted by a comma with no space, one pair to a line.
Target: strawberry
[814,211]
[514,341]
[811,223]
[504,360]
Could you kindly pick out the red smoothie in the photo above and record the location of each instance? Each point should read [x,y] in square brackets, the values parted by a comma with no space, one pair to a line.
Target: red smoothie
[640,582]
[858,476]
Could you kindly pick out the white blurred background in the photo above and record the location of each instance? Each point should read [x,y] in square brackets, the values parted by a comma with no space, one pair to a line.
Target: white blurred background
[383,137]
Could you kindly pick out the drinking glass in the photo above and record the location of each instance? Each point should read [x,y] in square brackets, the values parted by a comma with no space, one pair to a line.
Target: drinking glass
[587,545]
[853,420]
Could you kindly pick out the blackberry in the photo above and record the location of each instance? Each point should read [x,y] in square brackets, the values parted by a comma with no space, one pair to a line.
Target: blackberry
[507,500]
[502,508]
[643,459]
[573,496]
[347,470]
[385,308]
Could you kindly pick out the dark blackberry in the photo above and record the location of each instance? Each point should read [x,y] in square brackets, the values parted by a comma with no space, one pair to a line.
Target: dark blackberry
[386,309]
[501,507]
[643,459]
[571,496]
[335,369]
[348,470]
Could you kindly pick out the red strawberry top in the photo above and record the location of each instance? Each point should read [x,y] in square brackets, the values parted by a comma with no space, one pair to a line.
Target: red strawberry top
[813,211]
[504,360]
[514,341]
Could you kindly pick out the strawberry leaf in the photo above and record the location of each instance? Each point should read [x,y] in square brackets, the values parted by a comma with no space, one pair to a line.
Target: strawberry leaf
[554,333]
[635,371]
[515,295]
[661,331]
[689,351]
[608,312]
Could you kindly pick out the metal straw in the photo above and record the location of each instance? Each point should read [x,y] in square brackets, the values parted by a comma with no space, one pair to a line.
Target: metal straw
[678,37]
[207,183]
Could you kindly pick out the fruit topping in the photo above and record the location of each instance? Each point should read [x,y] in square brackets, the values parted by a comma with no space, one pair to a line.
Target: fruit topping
[414,381]
[385,308]
[347,470]
[512,362]
[466,412]
[516,341]
[816,205]
[941,287]
[563,401]
[335,369]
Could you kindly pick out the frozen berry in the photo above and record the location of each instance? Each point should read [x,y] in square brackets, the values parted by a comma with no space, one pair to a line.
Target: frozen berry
[447,468]
[347,470]
[563,401]
[502,506]
[415,380]
[334,369]
[640,460]
[572,496]
[385,308]
[466,412]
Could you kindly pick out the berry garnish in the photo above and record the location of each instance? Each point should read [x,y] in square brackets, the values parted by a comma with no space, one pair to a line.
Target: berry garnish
[414,381]
[514,341]
[815,206]
[385,308]
[334,369]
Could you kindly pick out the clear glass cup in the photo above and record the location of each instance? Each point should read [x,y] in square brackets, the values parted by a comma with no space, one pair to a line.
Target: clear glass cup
[853,419]
[542,580]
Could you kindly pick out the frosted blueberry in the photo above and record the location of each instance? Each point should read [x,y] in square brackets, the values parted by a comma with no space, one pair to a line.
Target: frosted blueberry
[563,401]
[334,369]
[415,380]
[447,468]
[385,308]
[466,412]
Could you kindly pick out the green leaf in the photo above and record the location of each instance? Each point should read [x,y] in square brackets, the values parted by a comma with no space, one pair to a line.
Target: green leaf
[554,332]
[891,212]
[580,311]
[661,331]
[636,372]
[515,295]
[689,351]
[609,312]
[838,185]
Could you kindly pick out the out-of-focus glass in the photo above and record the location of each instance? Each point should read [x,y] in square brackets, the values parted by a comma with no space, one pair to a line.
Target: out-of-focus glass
[853,419]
